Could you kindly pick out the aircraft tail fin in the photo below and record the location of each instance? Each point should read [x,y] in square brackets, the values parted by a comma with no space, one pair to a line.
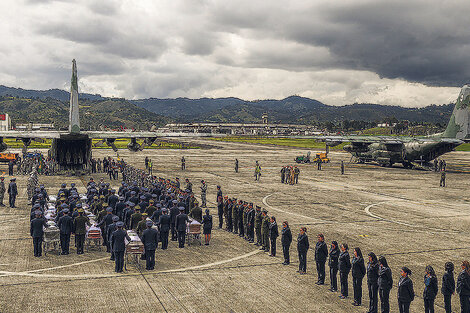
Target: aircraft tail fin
[459,123]
[74,118]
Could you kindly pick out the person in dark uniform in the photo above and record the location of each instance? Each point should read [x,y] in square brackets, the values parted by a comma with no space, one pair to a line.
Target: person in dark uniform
[236,165]
[174,211]
[207,227]
[183,163]
[220,211]
[358,271]
[463,287]
[430,289]
[181,220]
[109,231]
[164,222]
[65,225]
[372,282]
[10,167]
[385,284]
[219,193]
[12,192]
[448,286]
[150,241]
[37,232]
[333,264]
[273,234]
[321,254]
[119,246]
[302,249]
[344,263]
[286,240]
[79,229]
[2,190]
[405,291]
[342,167]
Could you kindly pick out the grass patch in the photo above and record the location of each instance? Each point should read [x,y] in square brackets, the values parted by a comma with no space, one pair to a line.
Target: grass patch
[120,144]
[288,142]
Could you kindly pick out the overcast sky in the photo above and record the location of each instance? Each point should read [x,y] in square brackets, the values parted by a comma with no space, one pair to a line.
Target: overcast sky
[401,52]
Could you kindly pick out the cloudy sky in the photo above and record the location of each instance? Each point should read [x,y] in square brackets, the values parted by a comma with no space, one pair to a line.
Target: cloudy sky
[401,52]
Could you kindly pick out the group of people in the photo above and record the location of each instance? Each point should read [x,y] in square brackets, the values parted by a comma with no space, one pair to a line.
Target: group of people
[149,165]
[154,209]
[439,165]
[243,219]
[12,191]
[290,175]
[107,165]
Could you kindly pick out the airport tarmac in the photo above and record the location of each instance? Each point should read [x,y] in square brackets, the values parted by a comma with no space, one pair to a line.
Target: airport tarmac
[402,214]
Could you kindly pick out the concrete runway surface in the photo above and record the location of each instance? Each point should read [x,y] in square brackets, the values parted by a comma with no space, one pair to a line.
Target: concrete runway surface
[402,214]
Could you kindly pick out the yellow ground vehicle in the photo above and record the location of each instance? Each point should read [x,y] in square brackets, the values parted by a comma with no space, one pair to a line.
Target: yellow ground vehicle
[323,157]
[7,157]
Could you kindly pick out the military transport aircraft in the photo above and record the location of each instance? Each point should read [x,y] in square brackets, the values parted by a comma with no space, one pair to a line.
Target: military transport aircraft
[72,148]
[411,152]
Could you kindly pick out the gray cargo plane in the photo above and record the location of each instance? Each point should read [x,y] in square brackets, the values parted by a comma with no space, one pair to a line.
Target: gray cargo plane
[72,148]
[411,151]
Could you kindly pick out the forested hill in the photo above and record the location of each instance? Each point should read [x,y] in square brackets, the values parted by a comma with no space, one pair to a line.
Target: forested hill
[111,113]
[45,105]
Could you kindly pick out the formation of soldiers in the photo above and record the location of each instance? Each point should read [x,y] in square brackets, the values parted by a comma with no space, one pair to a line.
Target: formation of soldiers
[439,165]
[245,220]
[107,165]
[241,218]
[43,165]
[290,175]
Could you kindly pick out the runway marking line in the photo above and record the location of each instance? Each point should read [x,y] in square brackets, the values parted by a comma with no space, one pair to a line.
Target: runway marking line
[184,269]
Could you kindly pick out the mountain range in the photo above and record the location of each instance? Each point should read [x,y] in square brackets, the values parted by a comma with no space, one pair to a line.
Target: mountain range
[46,105]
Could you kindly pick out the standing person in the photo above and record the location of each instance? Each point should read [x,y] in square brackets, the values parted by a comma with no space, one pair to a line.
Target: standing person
[372,282]
[79,229]
[302,249]
[220,211]
[342,167]
[286,240]
[344,268]
[236,165]
[150,241]
[37,232]
[321,254]
[164,222]
[207,227]
[10,167]
[463,287]
[65,224]
[12,192]
[283,174]
[430,289]
[119,246]
[181,220]
[273,234]
[405,292]
[183,163]
[257,171]
[203,194]
[358,273]
[2,190]
[150,165]
[442,183]
[448,286]
[333,264]
[296,175]
[385,284]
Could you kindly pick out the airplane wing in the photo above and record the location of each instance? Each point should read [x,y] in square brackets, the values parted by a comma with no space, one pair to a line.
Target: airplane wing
[141,134]
[391,140]
[32,134]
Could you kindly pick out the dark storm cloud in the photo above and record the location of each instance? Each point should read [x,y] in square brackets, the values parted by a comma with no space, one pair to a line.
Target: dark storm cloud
[419,41]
